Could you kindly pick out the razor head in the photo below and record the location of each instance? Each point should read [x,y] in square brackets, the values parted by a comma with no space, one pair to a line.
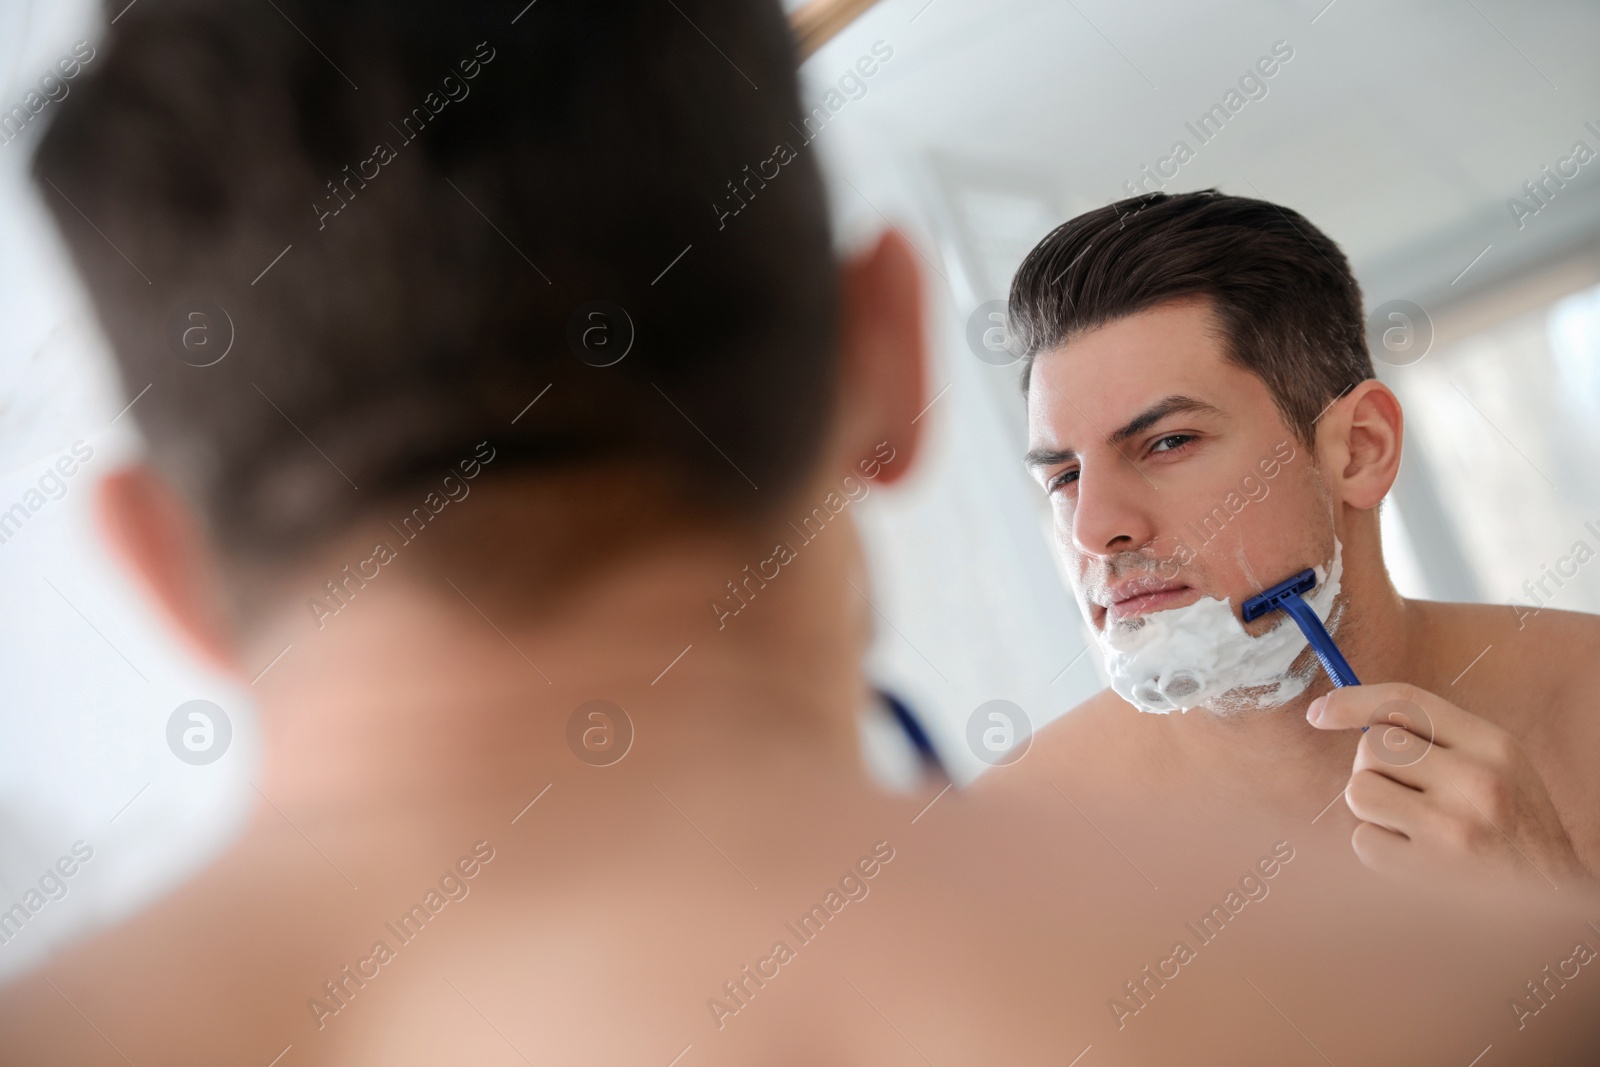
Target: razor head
[1271,599]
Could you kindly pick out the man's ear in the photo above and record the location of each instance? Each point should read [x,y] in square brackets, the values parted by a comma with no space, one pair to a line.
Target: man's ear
[155,535]
[1360,439]
[883,349]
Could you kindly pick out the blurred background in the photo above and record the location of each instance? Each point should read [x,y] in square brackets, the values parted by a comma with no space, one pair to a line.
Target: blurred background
[1451,148]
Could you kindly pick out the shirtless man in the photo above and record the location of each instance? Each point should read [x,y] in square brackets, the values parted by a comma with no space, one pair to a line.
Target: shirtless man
[1203,414]
[532,790]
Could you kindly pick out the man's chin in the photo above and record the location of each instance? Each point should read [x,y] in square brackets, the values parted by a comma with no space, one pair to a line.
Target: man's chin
[1246,702]
[1259,701]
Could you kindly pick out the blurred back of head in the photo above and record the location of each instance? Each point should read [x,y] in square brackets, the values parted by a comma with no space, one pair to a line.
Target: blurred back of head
[438,190]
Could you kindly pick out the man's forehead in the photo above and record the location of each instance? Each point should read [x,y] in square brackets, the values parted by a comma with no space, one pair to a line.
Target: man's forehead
[1179,341]
[1089,389]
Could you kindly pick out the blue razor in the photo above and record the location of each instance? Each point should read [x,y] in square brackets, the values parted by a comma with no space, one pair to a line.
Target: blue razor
[1286,595]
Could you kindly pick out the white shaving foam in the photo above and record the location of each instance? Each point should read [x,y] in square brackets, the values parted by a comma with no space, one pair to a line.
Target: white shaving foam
[1198,655]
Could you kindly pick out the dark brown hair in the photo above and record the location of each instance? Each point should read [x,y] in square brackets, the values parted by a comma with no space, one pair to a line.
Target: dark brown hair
[526,165]
[1282,291]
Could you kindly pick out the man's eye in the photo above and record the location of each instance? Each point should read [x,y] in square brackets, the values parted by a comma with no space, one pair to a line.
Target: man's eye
[1172,442]
[1061,479]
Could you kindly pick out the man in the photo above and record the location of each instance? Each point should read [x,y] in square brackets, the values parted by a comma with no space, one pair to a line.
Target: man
[521,494]
[462,401]
[1203,414]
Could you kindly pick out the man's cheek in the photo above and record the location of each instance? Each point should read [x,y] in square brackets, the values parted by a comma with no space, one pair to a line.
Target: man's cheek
[1078,576]
[1061,528]
[1182,556]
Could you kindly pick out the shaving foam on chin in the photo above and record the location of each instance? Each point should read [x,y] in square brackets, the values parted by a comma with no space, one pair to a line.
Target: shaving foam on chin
[1196,655]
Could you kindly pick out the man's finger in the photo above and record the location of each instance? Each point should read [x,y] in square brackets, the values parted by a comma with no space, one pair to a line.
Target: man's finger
[1375,798]
[1400,746]
[1380,849]
[1392,705]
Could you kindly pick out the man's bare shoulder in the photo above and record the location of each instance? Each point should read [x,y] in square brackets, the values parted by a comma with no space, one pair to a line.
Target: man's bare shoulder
[1098,743]
[1532,664]
[584,908]
[1104,719]
[1560,646]
[252,917]
[1572,660]
[1536,675]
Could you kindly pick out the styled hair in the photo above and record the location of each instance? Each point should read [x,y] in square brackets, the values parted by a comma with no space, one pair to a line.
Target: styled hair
[1281,290]
[400,266]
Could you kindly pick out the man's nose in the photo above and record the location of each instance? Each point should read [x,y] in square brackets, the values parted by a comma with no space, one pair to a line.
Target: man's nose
[1113,512]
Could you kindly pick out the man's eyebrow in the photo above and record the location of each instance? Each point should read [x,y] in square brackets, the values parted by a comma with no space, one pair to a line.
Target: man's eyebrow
[1172,405]
[1047,457]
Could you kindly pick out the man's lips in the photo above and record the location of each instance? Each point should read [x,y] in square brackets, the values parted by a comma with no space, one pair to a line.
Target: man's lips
[1133,599]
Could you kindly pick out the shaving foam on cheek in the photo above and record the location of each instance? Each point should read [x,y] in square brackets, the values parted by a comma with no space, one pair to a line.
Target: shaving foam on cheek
[1193,656]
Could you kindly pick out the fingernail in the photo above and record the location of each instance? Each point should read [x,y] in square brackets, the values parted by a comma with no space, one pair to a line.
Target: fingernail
[1314,712]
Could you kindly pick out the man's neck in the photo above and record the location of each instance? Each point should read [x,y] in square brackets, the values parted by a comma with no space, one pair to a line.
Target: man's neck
[424,692]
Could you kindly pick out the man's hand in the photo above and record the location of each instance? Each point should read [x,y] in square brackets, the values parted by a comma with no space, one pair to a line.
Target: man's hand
[1438,789]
